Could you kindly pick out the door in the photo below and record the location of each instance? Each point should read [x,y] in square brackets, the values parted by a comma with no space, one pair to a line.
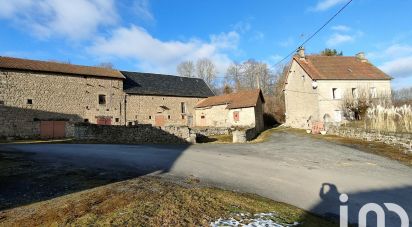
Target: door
[160,120]
[104,121]
[46,129]
[52,129]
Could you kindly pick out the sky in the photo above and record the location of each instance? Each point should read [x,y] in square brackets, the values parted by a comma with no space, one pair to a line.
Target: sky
[156,35]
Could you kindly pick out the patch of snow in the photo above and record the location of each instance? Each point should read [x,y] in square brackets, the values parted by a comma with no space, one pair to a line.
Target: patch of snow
[247,220]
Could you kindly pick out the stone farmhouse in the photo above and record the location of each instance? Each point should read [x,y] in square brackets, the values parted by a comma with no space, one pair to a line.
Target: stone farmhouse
[241,109]
[37,98]
[162,99]
[316,85]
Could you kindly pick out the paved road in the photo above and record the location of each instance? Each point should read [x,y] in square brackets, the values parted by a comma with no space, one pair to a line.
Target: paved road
[294,169]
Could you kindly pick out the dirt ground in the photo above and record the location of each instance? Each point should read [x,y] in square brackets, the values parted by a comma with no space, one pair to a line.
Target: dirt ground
[151,201]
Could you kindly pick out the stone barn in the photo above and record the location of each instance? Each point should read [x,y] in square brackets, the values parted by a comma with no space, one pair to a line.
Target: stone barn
[162,99]
[37,98]
[241,109]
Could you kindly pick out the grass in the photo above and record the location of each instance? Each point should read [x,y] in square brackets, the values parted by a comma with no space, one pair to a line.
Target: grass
[389,151]
[150,201]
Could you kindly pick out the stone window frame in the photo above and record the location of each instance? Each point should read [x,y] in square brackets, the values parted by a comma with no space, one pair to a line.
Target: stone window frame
[99,100]
[183,107]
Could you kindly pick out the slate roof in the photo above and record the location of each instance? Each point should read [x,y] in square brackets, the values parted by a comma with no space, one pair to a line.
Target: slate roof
[165,85]
[241,99]
[339,68]
[54,67]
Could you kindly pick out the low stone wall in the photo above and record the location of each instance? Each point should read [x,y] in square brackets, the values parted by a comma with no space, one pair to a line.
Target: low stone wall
[138,134]
[397,139]
[242,136]
[210,131]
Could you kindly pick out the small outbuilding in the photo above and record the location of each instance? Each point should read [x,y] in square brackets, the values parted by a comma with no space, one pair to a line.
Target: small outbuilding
[241,109]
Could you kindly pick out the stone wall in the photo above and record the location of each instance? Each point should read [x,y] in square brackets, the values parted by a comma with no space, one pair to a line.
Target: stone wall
[211,131]
[138,134]
[143,109]
[242,136]
[397,139]
[28,97]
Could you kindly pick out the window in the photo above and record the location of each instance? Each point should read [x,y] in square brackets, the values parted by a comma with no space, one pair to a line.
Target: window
[202,117]
[355,93]
[116,119]
[336,93]
[86,120]
[29,101]
[183,107]
[338,116]
[130,123]
[236,116]
[374,93]
[168,117]
[102,99]
[150,117]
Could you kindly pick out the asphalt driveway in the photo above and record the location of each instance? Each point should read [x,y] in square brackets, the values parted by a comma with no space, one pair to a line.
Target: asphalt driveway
[294,169]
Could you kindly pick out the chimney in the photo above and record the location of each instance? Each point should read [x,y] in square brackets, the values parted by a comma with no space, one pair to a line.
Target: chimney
[361,57]
[301,52]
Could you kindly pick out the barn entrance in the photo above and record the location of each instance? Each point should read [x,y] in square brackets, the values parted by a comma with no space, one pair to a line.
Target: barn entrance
[104,121]
[52,129]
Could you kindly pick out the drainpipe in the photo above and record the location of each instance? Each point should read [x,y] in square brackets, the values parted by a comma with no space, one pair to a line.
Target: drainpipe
[125,110]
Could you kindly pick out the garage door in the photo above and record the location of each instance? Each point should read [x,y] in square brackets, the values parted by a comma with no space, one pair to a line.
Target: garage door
[52,129]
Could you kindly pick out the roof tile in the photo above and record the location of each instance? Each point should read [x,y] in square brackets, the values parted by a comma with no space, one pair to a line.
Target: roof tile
[339,68]
[241,99]
[54,67]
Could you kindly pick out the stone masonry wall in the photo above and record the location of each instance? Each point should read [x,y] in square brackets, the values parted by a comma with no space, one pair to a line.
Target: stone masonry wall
[397,139]
[143,109]
[138,134]
[55,96]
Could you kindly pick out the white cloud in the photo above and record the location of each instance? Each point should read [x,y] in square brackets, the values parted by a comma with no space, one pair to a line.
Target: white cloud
[74,19]
[327,4]
[160,56]
[142,9]
[341,28]
[400,67]
[337,39]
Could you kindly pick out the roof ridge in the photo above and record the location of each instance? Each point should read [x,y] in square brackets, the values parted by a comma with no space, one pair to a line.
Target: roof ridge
[161,74]
[57,63]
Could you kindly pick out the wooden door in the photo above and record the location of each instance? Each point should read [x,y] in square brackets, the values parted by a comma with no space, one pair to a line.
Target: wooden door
[160,120]
[46,129]
[52,129]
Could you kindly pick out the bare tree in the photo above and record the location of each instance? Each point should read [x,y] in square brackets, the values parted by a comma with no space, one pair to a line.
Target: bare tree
[186,69]
[250,74]
[106,65]
[234,75]
[206,70]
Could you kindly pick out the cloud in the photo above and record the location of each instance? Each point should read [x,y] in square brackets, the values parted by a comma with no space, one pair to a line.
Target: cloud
[337,39]
[341,28]
[326,4]
[74,19]
[400,67]
[142,9]
[155,55]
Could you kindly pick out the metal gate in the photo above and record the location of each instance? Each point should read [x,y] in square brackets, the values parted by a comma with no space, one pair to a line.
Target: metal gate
[52,129]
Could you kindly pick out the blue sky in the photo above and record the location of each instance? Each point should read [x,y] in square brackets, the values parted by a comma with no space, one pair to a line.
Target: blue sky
[155,35]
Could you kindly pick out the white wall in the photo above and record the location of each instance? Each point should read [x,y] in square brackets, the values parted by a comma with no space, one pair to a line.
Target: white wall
[219,116]
[301,99]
